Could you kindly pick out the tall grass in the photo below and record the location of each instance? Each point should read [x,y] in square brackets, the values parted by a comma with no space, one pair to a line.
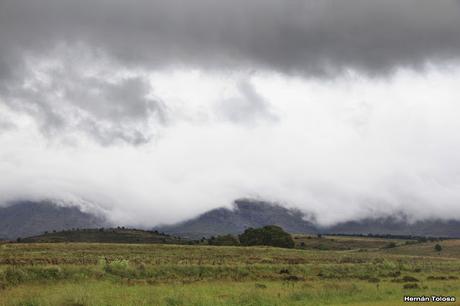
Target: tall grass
[110,274]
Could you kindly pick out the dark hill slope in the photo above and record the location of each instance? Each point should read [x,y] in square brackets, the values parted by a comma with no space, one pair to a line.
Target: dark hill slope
[104,235]
[398,226]
[23,219]
[245,213]
[249,213]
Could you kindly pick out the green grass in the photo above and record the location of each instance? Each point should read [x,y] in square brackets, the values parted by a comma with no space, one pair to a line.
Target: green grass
[344,242]
[154,274]
[208,293]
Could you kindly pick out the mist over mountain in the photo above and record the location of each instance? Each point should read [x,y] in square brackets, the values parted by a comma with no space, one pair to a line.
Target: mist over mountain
[159,111]
[250,213]
[27,218]
[398,226]
[245,213]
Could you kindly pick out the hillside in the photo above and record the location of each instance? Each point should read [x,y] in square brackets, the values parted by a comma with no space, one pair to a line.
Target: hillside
[102,235]
[251,213]
[245,213]
[398,226]
[23,219]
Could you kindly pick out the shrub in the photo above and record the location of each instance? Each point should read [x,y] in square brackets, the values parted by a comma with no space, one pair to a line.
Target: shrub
[394,274]
[411,286]
[390,245]
[45,272]
[436,277]
[373,280]
[409,279]
[15,276]
[224,240]
[119,267]
[271,235]
[322,247]
[438,247]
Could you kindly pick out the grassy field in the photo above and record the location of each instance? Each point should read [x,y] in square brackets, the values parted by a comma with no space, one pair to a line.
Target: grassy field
[343,271]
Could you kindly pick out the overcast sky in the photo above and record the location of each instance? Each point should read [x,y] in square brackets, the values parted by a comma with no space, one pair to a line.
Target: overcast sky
[156,111]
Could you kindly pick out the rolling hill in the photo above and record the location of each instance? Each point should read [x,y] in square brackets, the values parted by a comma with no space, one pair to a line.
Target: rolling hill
[103,235]
[245,213]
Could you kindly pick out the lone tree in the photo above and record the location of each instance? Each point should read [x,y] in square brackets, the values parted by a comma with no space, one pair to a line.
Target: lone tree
[270,235]
[438,247]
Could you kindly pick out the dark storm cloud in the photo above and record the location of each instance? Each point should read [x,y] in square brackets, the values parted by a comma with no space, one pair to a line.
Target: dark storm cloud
[308,37]
[311,38]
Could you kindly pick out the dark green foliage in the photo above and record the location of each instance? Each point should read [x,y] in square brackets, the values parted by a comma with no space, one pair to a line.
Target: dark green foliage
[437,278]
[438,247]
[224,240]
[390,245]
[15,275]
[112,235]
[411,286]
[270,235]
[409,279]
[373,280]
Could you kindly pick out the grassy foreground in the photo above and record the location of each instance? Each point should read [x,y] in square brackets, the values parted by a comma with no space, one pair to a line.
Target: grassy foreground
[152,274]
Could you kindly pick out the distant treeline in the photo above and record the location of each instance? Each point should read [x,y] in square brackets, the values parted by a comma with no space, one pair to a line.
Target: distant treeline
[271,235]
[105,235]
[391,236]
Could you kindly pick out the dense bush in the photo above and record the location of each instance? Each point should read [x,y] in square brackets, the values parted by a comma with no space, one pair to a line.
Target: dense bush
[390,245]
[224,240]
[271,235]
[119,267]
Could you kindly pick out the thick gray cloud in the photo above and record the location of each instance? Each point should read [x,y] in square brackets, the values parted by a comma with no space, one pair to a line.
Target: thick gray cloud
[308,37]
[66,94]
[311,38]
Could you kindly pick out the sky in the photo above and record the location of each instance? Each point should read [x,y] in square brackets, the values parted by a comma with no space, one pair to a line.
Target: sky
[153,112]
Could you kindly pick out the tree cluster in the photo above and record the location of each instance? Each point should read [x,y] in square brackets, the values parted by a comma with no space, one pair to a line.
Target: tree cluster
[270,235]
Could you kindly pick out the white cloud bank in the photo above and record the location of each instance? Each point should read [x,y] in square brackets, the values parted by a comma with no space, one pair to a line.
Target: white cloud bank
[341,149]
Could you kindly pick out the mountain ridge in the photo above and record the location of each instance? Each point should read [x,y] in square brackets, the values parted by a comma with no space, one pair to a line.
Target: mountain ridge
[29,218]
[246,213]
[252,213]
